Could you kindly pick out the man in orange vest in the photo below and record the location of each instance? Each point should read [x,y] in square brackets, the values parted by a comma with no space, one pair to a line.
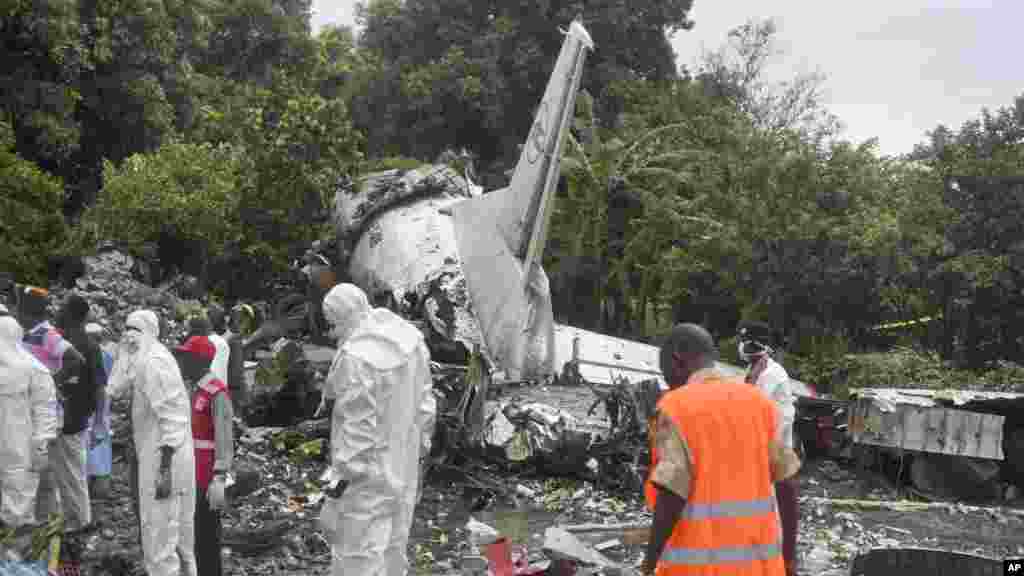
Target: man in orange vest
[213,439]
[714,460]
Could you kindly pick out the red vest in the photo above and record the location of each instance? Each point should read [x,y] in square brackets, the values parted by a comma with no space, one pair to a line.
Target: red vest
[202,427]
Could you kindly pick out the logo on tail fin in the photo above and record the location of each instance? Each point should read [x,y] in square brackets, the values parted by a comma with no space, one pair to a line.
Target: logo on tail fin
[539,134]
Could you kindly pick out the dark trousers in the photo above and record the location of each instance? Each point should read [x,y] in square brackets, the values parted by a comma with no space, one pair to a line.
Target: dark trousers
[208,531]
[787,493]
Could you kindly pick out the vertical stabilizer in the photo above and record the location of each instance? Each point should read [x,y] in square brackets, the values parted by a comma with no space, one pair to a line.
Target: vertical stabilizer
[501,235]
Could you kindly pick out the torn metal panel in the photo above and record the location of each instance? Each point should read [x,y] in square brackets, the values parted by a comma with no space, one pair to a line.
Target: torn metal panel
[888,398]
[355,206]
[919,420]
[922,562]
[602,359]
[411,248]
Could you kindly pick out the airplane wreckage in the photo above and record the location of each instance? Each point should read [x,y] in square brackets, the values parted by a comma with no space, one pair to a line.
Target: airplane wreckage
[466,266]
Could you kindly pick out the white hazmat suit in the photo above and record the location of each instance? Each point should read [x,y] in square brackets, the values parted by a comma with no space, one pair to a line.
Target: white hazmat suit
[160,417]
[382,422]
[28,423]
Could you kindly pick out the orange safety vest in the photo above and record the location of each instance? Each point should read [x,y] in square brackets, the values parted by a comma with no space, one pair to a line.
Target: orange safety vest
[730,523]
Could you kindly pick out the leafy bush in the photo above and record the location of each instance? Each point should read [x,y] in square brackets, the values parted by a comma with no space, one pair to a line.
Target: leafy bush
[901,367]
[189,191]
[32,226]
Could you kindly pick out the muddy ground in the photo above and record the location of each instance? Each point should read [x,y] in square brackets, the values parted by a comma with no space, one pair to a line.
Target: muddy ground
[829,537]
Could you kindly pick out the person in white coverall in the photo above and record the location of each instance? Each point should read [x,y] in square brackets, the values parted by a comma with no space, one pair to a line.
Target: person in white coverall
[757,343]
[162,431]
[383,418]
[27,424]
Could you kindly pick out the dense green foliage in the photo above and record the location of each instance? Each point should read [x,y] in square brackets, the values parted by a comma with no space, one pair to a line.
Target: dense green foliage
[707,195]
[32,226]
[186,190]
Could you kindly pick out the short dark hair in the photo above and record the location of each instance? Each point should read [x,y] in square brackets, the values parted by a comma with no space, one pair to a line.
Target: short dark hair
[199,326]
[759,332]
[33,302]
[76,309]
[686,339]
[217,318]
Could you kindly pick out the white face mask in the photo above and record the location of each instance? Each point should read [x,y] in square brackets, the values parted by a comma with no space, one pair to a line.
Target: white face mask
[131,342]
[749,351]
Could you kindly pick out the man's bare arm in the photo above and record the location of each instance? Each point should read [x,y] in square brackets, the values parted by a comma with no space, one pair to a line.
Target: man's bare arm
[666,514]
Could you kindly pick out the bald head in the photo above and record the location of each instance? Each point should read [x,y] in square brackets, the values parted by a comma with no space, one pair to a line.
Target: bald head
[687,349]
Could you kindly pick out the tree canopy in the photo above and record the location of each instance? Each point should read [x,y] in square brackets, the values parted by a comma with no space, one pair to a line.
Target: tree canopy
[707,195]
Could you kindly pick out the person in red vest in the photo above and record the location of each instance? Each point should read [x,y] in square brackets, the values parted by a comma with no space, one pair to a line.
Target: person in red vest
[213,439]
[714,459]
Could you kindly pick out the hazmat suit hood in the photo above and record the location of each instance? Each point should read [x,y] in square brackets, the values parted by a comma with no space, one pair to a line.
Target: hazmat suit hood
[345,308]
[14,359]
[139,342]
[384,339]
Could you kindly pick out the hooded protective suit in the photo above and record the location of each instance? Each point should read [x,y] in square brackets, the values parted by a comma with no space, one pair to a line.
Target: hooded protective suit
[382,423]
[27,424]
[160,417]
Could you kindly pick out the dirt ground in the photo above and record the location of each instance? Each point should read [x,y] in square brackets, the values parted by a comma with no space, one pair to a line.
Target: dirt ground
[829,537]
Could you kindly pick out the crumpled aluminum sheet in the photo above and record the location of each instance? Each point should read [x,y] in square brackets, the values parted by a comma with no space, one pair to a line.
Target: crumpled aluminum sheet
[886,399]
[411,248]
[545,428]
[355,206]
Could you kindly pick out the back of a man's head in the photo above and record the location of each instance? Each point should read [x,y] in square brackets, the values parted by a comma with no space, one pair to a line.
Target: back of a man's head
[218,319]
[686,349]
[76,310]
[32,304]
[199,326]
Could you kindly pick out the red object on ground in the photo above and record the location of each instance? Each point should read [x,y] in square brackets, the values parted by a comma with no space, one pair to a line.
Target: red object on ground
[499,555]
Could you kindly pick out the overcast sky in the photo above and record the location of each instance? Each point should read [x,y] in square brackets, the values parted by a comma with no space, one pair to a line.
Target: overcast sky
[896,68]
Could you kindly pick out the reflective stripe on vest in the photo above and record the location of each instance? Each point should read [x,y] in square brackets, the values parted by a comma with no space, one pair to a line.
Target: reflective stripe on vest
[204,444]
[738,509]
[708,556]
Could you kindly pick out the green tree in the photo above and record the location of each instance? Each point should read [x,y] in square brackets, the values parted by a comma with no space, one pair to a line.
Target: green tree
[735,72]
[32,227]
[469,74]
[976,176]
[40,57]
[188,190]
